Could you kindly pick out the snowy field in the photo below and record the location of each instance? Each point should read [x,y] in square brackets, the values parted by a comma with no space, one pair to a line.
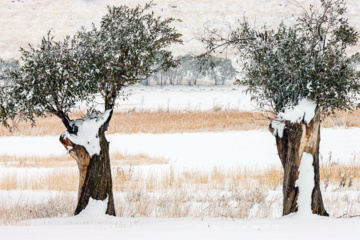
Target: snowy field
[254,149]
[186,153]
[183,98]
[23,22]
[198,229]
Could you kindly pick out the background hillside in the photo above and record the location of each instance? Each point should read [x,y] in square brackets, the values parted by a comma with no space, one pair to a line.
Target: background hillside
[26,21]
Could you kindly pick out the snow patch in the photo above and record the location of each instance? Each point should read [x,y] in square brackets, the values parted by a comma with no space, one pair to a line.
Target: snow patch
[88,129]
[94,209]
[305,110]
[278,127]
[306,184]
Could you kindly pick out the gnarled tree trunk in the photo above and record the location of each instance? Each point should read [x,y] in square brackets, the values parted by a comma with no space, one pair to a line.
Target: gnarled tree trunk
[296,139]
[95,173]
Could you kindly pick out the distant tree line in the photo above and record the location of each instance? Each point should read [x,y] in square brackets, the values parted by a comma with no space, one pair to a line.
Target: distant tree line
[191,70]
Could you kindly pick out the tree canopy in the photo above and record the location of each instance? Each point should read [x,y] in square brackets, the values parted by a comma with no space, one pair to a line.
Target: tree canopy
[56,75]
[307,60]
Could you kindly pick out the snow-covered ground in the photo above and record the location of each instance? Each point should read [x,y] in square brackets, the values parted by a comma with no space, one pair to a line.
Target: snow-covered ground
[187,151]
[181,98]
[197,150]
[166,229]
[23,22]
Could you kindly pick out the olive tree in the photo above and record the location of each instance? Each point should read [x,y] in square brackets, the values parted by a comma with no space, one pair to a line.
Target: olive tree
[298,72]
[55,76]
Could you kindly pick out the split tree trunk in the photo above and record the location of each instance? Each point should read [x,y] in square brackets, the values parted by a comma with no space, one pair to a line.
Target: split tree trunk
[95,174]
[299,138]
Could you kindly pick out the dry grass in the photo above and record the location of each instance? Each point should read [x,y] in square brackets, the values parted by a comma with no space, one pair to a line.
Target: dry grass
[182,203]
[171,122]
[55,180]
[168,192]
[61,205]
[220,192]
[255,203]
[36,161]
[217,179]
[174,122]
[154,122]
[339,175]
[128,177]
[117,159]
[342,119]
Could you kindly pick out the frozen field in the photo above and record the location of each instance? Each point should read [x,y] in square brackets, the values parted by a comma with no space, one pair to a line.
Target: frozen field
[213,185]
[187,154]
[254,149]
[183,98]
[165,229]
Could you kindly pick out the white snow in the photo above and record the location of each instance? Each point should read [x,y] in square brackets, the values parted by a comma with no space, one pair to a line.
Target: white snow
[94,210]
[200,149]
[181,98]
[192,150]
[304,110]
[278,127]
[88,129]
[197,149]
[306,184]
[197,229]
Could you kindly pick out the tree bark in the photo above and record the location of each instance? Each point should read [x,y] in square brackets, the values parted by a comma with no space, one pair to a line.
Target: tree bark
[95,173]
[299,138]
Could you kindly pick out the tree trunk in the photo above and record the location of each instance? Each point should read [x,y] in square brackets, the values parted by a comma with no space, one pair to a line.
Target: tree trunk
[95,174]
[298,138]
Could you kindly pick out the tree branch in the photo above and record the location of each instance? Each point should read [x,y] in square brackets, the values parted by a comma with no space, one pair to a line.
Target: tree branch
[63,116]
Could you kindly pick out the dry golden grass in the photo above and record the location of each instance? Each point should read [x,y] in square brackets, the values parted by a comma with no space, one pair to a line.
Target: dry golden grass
[170,122]
[342,119]
[36,161]
[340,175]
[218,179]
[175,203]
[64,176]
[219,192]
[174,122]
[117,159]
[155,122]
[15,213]
[57,180]
[125,179]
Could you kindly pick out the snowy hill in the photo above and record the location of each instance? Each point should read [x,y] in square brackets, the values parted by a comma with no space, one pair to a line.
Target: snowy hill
[24,21]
